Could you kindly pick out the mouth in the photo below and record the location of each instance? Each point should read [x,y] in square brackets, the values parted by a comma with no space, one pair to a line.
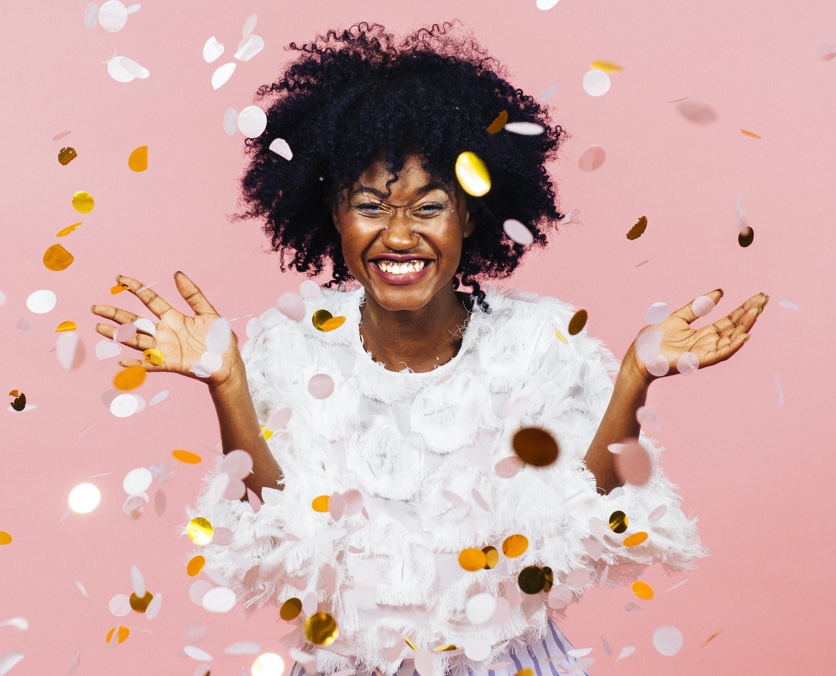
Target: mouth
[406,271]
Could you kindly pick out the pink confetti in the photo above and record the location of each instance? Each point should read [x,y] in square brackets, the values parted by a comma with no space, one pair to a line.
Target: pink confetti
[701,306]
[508,467]
[292,306]
[647,417]
[698,113]
[633,464]
[687,363]
[591,158]
[321,386]
[518,232]
[657,513]
[827,51]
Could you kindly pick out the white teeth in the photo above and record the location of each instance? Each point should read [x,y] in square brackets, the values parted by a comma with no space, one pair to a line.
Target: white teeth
[394,268]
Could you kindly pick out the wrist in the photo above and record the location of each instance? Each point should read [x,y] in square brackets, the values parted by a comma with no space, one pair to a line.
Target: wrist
[235,378]
[631,374]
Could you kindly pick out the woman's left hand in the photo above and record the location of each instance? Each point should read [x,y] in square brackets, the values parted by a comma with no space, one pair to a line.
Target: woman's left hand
[709,345]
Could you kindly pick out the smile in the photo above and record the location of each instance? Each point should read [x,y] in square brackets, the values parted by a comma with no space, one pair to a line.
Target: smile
[403,268]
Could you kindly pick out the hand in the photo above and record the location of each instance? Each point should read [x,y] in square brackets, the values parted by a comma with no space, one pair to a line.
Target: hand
[710,344]
[181,339]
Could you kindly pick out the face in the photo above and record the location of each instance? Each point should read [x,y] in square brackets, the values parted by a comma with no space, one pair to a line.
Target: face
[405,248]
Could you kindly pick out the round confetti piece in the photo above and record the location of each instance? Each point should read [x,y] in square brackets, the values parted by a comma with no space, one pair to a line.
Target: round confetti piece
[701,306]
[667,640]
[309,289]
[154,356]
[508,467]
[66,326]
[137,481]
[472,559]
[477,649]
[577,322]
[238,464]
[525,128]
[19,401]
[321,386]
[491,557]
[282,149]
[292,306]
[198,589]
[290,609]
[222,74]
[514,546]
[325,321]
[498,123]
[200,531]
[657,513]
[252,121]
[479,609]
[320,504]
[83,202]
[91,17]
[635,539]
[267,664]
[249,46]
[517,232]
[596,82]
[578,578]
[219,600]
[548,92]
[211,361]
[67,155]
[647,416]
[140,603]
[186,456]
[116,69]
[633,464]
[746,237]
[309,603]
[212,50]
[197,653]
[560,596]
[826,52]
[130,378]
[618,521]
[84,498]
[117,635]
[643,590]
[698,113]
[535,446]
[606,66]
[69,350]
[230,121]
[138,581]
[591,158]
[17,622]
[106,348]
[195,565]
[541,5]
[592,548]
[531,579]
[321,629]
[42,301]
[638,229]
[5,538]
[113,16]
[657,313]
[159,502]
[472,174]
[658,366]
[687,363]
[138,159]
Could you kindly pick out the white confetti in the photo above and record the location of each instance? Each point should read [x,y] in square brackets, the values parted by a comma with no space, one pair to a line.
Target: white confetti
[197,653]
[787,305]
[524,128]
[17,622]
[548,92]
[596,82]
[545,5]
[219,600]
[249,25]
[517,232]
[212,50]
[667,640]
[91,15]
[242,648]
[113,16]
[222,74]
[252,121]
[8,660]
[41,302]
[282,149]
[249,47]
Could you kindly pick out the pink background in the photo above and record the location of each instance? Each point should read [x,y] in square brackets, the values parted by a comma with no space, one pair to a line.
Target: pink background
[756,470]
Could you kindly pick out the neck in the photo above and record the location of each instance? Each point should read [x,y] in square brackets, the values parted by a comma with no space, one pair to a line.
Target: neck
[419,339]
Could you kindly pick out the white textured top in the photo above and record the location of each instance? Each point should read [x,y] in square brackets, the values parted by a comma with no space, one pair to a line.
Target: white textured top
[421,449]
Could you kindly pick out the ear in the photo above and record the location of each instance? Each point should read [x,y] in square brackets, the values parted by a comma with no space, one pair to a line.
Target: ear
[335,218]
[469,226]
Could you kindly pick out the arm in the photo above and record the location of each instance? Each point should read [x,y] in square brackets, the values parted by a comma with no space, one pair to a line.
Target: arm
[240,429]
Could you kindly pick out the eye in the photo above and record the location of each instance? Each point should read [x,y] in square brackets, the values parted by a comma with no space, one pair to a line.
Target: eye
[430,208]
[368,206]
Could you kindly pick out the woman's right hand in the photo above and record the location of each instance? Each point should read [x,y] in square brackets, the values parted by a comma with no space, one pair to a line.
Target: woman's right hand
[180,338]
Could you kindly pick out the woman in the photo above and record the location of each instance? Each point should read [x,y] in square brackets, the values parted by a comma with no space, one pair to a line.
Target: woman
[388,482]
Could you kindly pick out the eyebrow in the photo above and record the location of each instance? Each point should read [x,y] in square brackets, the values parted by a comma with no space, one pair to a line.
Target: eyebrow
[423,190]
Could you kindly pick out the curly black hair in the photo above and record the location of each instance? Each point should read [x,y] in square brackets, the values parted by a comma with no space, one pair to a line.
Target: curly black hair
[356,96]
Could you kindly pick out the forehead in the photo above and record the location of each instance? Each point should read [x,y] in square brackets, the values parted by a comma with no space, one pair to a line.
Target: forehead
[412,179]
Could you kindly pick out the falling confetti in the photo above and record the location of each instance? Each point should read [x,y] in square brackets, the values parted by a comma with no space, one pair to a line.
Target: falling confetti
[66,231]
[282,149]
[186,456]
[123,69]
[514,546]
[84,498]
[606,66]
[290,609]
[687,363]
[195,565]
[633,464]
[472,174]
[499,123]
[249,46]
[67,155]
[748,133]
[212,50]
[591,158]
[140,603]
[577,322]
[138,159]
[517,232]
[525,128]
[57,258]
[219,600]
[69,350]
[596,82]
[8,660]
[635,539]
[83,202]
[321,386]
[491,557]
[472,559]
[19,401]
[618,522]
[320,504]
[667,640]
[130,378]
[321,629]
[222,74]
[561,337]
[252,121]
[711,638]
[292,306]
[543,5]
[548,92]
[267,664]
[113,16]
[643,590]
[698,113]
[702,305]
[746,237]
[5,538]
[657,313]
[117,635]
[532,579]
[827,51]
[154,356]
[638,229]
[66,326]
[200,531]
[325,321]
[535,446]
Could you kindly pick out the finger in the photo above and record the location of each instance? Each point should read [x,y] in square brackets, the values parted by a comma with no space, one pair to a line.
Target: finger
[118,315]
[686,312]
[149,297]
[140,341]
[147,365]
[192,295]
[724,352]
[732,319]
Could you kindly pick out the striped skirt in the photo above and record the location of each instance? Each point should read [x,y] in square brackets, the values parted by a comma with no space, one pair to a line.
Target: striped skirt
[548,658]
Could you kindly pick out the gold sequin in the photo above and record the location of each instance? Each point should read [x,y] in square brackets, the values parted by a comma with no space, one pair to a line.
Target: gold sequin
[577,322]
[66,326]
[121,633]
[66,231]
[472,174]
[748,133]
[638,229]
[154,356]
[472,559]
[535,446]
[635,539]
[514,546]
[643,590]
[67,155]
[200,531]
[19,401]
[746,237]
[531,579]
[186,456]
[130,378]
[138,159]
[195,565]
[320,503]
[618,521]
[290,609]
[57,258]
[445,648]
[140,605]
[561,337]
[5,538]
[325,321]
[606,66]
[491,557]
[321,629]
[499,123]
[83,202]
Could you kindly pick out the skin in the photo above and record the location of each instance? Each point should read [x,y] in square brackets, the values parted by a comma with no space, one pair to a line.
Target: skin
[414,326]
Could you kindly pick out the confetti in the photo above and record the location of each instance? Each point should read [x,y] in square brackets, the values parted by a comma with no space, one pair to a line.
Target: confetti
[83,202]
[472,174]
[140,603]
[242,648]
[638,229]
[525,128]
[472,559]
[626,651]
[309,289]
[200,531]
[154,356]
[657,313]
[596,82]
[66,326]
[137,481]
[578,578]
[222,74]
[491,557]
[219,600]
[321,629]
[160,396]
[212,50]
[517,232]
[667,640]
[787,305]
[531,579]
[130,378]
[479,609]
[186,456]
[542,5]
[535,446]
[591,158]
[477,649]
[499,123]
[230,121]
[643,590]
[701,306]
[561,337]
[698,113]
[67,155]
[290,609]
[548,92]
[91,16]
[577,322]
[325,321]
[635,539]
[321,386]
[197,653]
[19,401]
[292,306]
[268,664]
[320,504]
[66,231]
[249,46]
[827,51]
[249,25]
[514,546]
[618,522]
[5,538]
[84,498]
[106,348]
[712,637]
[138,159]
[560,596]
[657,513]
[42,301]
[69,350]
[748,133]
[606,66]
[746,237]
[687,363]
[282,149]
[123,69]
[117,635]
[252,121]
[16,622]
[633,465]
[113,16]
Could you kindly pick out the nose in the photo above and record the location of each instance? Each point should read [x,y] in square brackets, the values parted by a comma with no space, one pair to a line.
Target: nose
[398,233]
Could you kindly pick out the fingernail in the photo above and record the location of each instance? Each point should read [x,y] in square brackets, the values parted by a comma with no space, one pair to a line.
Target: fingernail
[178,273]
[716,290]
[92,308]
[765,302]
[747,337]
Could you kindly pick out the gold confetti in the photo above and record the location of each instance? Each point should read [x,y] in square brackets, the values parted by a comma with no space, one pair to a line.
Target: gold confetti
[635,539]
[19,401]
[66,231]
[186,456]
[445,648]
[491,557]
[320,503]
[321,629]
[410,643]
[618,521]
[67,155]
[514,546]
[66,326]
[748,133]
[195,565]
[266,433]
[154,356]
[83,202]
[472,559]
[138,159]
[130,378]
[746,237]
[121,633]
[577,322]
[499,123]
[712,637]
[140,605]
[643,590]
[638,229]
[535,446]
[325,321]
[606,66]
[472,174]
[290,609]
[561,337]
[548,576]
[118,288]
[5,538]
[57,258]
[200,531]
[524,672]
[531,579]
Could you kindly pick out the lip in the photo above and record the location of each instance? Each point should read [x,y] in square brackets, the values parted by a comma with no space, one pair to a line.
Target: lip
[398,257]
[409,278]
